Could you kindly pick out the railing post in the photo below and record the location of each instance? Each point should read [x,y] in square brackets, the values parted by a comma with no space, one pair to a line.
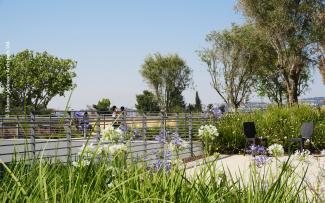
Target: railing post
[67,127]
[50,124]
[190,127]
[97,127]
[144,135]
[177,123]
[32,134]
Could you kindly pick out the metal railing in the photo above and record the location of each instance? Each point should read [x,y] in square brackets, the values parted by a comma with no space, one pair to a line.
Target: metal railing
[61,135]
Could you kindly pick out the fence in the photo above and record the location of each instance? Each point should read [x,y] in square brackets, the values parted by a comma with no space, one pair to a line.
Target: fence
[61,135]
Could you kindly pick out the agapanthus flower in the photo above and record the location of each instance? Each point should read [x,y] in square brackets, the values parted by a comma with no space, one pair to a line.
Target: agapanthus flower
[208,132]
[117,148]
[111,134]
[81,163]
[276,150]
[177,144]
[256,150]
[302,155]
[261,160]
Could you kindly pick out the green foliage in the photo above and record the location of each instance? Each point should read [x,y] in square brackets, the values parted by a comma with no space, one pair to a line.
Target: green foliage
[168,76]
[231,61]
[275,123]
[293,30]
[103,105]
[35,78]
[120,181]
[147,102]
[198,104]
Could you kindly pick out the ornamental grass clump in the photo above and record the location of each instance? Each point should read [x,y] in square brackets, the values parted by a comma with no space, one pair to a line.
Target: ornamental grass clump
[208,135]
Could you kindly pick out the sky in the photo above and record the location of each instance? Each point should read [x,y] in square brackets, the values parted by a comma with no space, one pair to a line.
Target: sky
[110,40]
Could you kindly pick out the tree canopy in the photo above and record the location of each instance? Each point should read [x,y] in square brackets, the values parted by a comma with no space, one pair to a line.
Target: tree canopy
[293,29]
[103,105]
[35,78]
[147,102]
[231,61]
[168,76]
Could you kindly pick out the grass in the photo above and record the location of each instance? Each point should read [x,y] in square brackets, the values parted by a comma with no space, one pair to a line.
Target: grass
[116,180]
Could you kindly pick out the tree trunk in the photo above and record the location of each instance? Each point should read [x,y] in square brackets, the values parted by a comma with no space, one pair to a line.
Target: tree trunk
[292,92]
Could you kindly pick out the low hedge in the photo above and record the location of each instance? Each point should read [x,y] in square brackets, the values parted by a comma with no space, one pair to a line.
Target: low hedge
[277,124]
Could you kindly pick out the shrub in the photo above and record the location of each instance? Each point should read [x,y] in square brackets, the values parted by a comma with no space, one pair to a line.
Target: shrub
[277,124]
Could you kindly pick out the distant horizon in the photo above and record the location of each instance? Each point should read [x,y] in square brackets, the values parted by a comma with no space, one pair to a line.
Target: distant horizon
[110,41]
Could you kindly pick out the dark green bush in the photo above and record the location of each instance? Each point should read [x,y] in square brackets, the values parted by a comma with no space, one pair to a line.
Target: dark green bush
[277,124]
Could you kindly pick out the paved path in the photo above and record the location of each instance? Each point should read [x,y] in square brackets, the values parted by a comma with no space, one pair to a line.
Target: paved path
[239,165]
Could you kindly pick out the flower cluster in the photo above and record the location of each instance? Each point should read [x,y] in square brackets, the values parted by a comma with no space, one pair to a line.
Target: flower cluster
[208,132]
[170,143]
[302,156]
[256,150]
[117,148]
[81,163]
[261,160]
[111,134]
[177,144]
[276,150]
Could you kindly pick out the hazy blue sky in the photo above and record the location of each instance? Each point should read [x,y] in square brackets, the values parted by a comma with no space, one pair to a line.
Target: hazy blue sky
[110,39]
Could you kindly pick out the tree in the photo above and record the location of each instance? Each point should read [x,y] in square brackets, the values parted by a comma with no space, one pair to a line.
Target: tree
[147,102]
[35,78]
[231,63]
[270,82]
[168,76]
[103,105]
[293,31]
[190,108]
[198,104]
[322,47]
[177,103]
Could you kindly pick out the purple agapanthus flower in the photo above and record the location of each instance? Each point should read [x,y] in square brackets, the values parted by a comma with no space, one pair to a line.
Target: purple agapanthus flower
[261,160]
[256,150]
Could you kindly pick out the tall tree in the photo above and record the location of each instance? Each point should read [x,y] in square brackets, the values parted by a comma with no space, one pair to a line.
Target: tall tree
[292,30]
[35,78]
[231,63]
[147,102]
[198,104]
[168,76]
[322,46]
[270,82]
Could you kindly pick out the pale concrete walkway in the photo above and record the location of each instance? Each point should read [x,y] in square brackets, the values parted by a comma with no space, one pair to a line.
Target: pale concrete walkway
[239,166]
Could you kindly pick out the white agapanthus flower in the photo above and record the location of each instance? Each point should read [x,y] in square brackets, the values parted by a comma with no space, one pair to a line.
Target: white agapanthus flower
[117,148]
[86,150]
[81,163]
[111,134]
[302,155]
[276,150]
[208,132]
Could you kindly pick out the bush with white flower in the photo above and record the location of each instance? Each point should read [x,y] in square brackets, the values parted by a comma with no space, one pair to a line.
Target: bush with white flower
[208,134]
[276,150]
